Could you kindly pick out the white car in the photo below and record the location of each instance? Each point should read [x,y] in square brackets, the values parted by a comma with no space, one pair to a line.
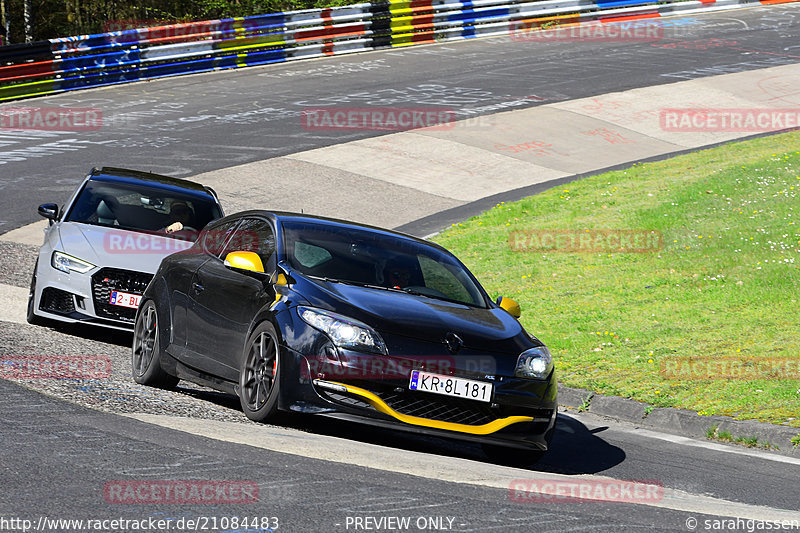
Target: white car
[103,246]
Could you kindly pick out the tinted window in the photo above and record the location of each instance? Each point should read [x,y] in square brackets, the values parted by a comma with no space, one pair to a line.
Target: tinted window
[213,239]
[354,255]
[142,208]
[253,235]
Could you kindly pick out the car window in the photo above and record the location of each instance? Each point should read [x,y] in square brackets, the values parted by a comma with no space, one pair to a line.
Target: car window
[364,257]
[310,256]
[253,235]
[138,207]
[443,279]
[214,238]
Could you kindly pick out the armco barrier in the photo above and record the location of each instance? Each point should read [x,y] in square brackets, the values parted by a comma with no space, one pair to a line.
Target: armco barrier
[71,63]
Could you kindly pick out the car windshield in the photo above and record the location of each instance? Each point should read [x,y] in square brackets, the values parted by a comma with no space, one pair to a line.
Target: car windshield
[141,208]
[378,260]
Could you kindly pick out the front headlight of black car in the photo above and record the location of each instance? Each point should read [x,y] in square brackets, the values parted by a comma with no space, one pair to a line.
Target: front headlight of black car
[535,363]
[343,331]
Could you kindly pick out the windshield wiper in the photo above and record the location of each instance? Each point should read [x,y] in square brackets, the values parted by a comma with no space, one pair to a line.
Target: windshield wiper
[356,283]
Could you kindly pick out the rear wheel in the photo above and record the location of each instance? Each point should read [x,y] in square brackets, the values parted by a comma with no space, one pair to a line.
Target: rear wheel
[146,354]
[259,381]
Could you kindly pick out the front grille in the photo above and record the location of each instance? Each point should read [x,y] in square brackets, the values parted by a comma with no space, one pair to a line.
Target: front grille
[452,410]
[57,301]
[349,401]
[114,279]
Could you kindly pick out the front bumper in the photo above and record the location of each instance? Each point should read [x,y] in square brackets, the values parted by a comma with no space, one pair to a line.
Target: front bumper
[84,298]
[521,414]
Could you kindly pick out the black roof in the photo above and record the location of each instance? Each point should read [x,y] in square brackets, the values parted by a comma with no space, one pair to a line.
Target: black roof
[148,178]
[288,216]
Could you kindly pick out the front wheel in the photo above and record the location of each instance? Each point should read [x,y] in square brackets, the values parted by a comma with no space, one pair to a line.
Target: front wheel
[31,317]
[259,381]
[146,354]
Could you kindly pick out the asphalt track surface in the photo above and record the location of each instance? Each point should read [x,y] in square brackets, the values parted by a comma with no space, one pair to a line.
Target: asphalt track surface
[194,124]
[57,456]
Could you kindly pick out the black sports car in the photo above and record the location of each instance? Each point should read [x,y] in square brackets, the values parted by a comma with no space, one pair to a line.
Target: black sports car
[299,313]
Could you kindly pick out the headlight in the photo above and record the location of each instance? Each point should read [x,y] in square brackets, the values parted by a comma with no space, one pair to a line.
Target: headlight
[65,263]
[535,363]
[343,331]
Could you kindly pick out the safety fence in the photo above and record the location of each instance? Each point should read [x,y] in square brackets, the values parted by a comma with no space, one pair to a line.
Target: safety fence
[84,61]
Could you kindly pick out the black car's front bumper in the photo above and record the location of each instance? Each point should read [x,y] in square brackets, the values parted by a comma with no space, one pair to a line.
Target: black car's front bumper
[522,412]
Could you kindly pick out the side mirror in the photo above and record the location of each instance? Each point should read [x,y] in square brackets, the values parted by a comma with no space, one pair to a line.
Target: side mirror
[248,261]
[278,278]
[49,211]
[511,306]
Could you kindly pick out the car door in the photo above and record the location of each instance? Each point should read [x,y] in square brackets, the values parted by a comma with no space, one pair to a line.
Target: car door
[180,278]
[224,301]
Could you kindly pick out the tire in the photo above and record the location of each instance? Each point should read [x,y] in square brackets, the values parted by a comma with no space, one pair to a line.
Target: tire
[146,351]
[31,317]
[259,376]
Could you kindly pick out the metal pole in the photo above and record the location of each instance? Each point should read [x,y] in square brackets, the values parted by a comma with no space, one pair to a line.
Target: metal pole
[4,22]
[27,21]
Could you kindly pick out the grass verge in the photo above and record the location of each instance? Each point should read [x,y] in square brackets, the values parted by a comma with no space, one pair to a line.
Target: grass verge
[723,289]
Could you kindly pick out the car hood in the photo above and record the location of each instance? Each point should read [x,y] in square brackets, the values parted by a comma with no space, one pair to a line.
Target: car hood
[425,319]
[117,248]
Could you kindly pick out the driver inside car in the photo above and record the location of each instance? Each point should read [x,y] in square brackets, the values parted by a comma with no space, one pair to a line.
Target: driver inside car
[180,218]
[397,277]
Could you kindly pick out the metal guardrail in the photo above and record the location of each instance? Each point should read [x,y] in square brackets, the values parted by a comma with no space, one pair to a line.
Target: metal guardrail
[71,63]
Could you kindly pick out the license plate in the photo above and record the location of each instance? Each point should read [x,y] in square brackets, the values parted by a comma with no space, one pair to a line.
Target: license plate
[450,386]
[125,299]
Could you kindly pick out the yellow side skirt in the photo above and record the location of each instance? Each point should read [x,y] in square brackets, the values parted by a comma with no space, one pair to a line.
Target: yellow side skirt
[381,406]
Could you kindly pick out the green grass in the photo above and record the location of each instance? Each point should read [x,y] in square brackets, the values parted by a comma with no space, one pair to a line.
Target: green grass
[725,285]
[713,433]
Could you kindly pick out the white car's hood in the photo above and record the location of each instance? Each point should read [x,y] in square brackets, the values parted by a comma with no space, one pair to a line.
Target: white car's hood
[117,248]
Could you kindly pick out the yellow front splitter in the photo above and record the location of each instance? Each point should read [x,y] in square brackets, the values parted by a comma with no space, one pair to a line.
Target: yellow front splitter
[381,406]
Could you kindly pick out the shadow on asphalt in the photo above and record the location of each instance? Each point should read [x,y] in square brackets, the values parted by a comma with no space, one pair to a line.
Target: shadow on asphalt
[94,333]
[575,449]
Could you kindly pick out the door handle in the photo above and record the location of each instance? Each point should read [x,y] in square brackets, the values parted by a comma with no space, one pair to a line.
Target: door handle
[197,288]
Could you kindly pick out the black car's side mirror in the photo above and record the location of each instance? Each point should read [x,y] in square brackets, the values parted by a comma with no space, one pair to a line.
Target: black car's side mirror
[247,263]
[511,306]
[49,211]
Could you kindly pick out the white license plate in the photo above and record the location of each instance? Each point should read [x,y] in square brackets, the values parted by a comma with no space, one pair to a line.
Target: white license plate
[450,386]
[125,299]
